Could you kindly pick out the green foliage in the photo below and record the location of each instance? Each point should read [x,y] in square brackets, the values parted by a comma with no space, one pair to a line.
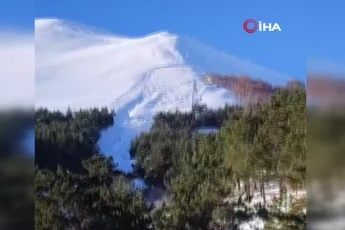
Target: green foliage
[270,141]
[158,153]
[199,171]
[76,186]
[286,123]
[67,139]
[197,189]
[98,199]
[238,138]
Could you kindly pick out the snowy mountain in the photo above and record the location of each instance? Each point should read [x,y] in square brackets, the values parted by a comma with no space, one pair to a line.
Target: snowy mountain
[79,67]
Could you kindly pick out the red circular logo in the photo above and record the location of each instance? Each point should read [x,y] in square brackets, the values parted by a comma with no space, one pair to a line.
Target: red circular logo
[250,26]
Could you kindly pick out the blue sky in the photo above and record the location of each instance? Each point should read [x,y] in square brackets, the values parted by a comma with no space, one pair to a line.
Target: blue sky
[326,36]
[313,29]
[218,24]
[17,14]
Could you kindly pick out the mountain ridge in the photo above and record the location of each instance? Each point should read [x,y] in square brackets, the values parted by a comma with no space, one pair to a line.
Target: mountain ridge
[108,59]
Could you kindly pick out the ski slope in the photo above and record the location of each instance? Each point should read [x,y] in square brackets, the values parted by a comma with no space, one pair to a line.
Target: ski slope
[80,67]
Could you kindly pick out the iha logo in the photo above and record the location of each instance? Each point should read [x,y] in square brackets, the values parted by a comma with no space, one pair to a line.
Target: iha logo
[251,26]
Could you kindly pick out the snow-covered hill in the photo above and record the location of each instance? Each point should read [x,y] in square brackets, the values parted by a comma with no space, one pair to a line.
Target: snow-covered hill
[79,67]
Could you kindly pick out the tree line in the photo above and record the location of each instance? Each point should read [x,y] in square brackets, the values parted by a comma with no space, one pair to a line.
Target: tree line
[200,171]
[77,187]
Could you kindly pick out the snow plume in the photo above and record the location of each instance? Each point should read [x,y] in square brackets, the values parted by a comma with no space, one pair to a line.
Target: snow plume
[79,68]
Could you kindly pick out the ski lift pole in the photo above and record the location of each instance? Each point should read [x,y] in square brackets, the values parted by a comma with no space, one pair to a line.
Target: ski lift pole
[193,94]
[194,101]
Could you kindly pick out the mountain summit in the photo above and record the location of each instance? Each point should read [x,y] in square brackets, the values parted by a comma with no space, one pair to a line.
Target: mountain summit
[79,67]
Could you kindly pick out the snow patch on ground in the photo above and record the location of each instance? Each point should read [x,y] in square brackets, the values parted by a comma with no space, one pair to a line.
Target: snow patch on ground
[207,130]
[255,224]
[272,193]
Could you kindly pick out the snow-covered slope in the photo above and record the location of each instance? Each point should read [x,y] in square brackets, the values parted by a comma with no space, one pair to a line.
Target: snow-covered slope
[78,67]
